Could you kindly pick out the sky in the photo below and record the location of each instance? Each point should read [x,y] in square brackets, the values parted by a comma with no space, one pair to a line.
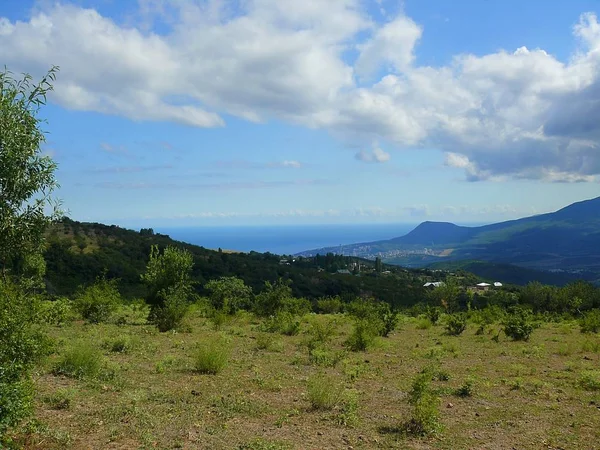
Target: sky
[267,112]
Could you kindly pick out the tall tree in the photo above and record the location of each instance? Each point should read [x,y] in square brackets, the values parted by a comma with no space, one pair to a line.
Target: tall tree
[26,185]
[27,177]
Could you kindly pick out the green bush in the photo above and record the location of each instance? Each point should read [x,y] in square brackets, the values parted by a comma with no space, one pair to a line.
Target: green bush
[120,344]
[433,313]
[590,322]
[466,389]
[518,324]
[423,323]
[283,322]
[173,308]
[98,302]
[362,336]
[425,415]
[267,341]
[590,380]
[325,393]
[80,361]
[132,313]
[456,324]
[211,357]
[21,344]
[330,305]
[58,312]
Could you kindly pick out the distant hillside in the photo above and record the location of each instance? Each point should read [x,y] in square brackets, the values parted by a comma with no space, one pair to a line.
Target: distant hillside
[566,240]
[79,252]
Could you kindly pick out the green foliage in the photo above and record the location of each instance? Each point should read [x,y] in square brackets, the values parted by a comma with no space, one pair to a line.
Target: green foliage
[80,361]
[456,324]
[26,177]
[267,341]
[325,393]
[283,322]
[466,389]
[330,305]
[98,302]
[60,399]
[590,380]
[21,344]
[518,324]
[389,320]
[425,403]
[173,309]
[590,322]
[277,297]
[58,312]
[132,313]
[211,357]
[433,313]
[167,273]
[423,323]
[229,294]
[379,314]
[362,337]
[26,186]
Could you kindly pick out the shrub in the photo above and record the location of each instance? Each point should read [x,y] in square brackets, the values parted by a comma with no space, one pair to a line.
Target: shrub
[456,324]
[229,294]
[518,325]
[590,380]
[433,313]
[362,336]
[466,389]
[57,312]
[283,322]
[330,305]
[98,302]
[172,312]
[211,357]
[267,341]
[590,322]
[424,419]
[121,344]
[321,331]
[132,313]
[80,361]
[423,323]
[389,320]
[21,344]
[324,393]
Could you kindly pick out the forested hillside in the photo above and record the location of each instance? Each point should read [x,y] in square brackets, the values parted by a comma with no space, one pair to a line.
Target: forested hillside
[77,253]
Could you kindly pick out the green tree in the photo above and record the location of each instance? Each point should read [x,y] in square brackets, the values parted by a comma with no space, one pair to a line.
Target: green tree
[229,294]
[26,208]
[26,176]
[378,265]
[170,270]
[169,280]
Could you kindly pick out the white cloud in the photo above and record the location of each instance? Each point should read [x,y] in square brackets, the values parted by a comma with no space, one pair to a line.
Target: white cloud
[521,114]
[376,155]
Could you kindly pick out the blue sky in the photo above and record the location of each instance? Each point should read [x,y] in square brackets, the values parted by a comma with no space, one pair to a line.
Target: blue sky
[209,112]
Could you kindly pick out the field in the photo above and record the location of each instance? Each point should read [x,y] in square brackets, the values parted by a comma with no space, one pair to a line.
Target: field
[152,390]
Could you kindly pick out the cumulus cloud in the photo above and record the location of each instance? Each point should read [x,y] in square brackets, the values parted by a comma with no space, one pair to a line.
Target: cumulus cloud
[373,156]
[519,113]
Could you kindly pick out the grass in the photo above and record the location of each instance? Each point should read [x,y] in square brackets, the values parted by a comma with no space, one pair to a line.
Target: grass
[525,395]
[211,357]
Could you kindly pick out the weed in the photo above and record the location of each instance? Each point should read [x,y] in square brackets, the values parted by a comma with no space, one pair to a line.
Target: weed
[211,357]
[60,399]
[324,393]
[283,322]
[266,341]
[590,380]
[423,323]
[591,346]
[362,336]
[80,361]
[424,419]
[590,322]
[121,344]
[466,389]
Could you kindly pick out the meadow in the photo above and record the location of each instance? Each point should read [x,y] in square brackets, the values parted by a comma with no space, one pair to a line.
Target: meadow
[229,384]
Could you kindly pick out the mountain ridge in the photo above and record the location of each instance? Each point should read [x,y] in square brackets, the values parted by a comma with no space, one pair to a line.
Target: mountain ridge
[565,240]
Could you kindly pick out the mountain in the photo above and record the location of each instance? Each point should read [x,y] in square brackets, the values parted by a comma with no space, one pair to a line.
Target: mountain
[563,241]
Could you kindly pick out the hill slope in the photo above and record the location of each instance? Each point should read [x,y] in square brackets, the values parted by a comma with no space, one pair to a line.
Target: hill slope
[565,240]
[77,253]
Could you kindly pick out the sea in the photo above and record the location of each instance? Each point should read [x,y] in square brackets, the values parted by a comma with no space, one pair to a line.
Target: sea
[284,239]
